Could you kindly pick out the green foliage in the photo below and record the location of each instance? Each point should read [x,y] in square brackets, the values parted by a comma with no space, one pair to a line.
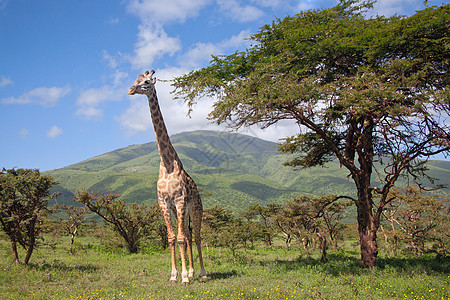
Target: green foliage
[24,196]
[419,218]
[73,219]
[221,228]
[319,216]
[130,220]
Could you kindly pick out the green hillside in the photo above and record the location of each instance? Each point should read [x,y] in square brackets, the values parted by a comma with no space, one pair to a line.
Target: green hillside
[234,170]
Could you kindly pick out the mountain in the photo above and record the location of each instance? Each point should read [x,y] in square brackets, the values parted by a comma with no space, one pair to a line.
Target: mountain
[232,170]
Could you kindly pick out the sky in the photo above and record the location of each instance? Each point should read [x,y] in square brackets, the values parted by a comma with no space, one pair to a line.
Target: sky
[66,67]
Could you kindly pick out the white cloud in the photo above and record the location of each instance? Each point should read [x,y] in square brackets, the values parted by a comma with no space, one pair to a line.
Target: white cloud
[306,5]
[166,11]
[113,21]
[89,101]
[137,117]
[3,4]
[118,77]
[240,13]
[399,7]
[198,55]
[4,81]
[23,133]
[42,96]
[112,61]
[54,131]
[273,133]
[201,53]
[271,3]
[152,43]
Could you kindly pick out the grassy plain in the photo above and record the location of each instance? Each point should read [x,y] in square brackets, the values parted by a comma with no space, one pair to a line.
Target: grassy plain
[94,271]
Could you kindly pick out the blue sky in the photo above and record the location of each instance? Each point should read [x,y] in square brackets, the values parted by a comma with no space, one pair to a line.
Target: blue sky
[66,66]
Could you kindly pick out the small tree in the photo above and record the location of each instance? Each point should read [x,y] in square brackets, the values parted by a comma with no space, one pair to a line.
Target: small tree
[232,236]
[76,217]
[214,220]
[317,215]
[24,196]
[130,220]
[416,214]
[263,213]
[332,215]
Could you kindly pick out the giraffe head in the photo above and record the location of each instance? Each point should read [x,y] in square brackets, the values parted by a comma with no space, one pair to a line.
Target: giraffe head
[144,84]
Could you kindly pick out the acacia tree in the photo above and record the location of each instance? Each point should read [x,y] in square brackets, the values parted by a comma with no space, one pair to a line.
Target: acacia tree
[130,220]
[24,196]
[223,229]
[416,214]
[76,216]
[360,89]
[263,213]
[215,219]
[332,213]
[317,215]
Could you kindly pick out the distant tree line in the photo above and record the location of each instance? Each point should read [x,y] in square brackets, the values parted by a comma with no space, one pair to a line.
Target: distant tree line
[414,218]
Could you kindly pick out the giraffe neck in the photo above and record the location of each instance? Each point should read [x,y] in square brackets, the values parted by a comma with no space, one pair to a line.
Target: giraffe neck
[166,150]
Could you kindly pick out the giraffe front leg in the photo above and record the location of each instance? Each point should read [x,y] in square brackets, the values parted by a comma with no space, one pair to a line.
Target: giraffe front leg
[171,239]
[197,221]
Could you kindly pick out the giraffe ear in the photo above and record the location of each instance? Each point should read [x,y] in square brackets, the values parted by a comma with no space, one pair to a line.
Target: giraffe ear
[154,80]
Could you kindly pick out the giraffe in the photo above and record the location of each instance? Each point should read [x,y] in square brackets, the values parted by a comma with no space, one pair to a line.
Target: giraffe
[177,192]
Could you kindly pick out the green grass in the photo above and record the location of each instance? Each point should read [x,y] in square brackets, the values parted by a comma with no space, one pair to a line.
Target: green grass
[256,273]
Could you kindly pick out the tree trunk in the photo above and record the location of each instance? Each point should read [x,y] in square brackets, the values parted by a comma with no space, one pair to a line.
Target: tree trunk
[132,246]
[72,240]
[15,253]
[29,252]
[367,229]
[414,245]
[395,246]
[334,242]
[323,240]
[305,242]
[385,241]
[32,236]
[368,223]
[287,240]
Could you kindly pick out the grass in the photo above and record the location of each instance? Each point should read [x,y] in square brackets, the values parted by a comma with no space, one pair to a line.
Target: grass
[93,272]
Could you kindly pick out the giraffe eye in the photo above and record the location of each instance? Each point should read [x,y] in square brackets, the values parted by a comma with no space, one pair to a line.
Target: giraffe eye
[147,82]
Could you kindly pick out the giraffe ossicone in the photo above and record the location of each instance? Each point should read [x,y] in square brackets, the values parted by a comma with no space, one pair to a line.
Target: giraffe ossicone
[177,191]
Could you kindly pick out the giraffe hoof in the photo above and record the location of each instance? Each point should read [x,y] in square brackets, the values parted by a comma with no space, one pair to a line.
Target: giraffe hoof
[185,283]
[172,281]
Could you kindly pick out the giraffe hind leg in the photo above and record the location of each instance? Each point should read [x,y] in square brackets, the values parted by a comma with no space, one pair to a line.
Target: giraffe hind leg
[189,247]
[197,224]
